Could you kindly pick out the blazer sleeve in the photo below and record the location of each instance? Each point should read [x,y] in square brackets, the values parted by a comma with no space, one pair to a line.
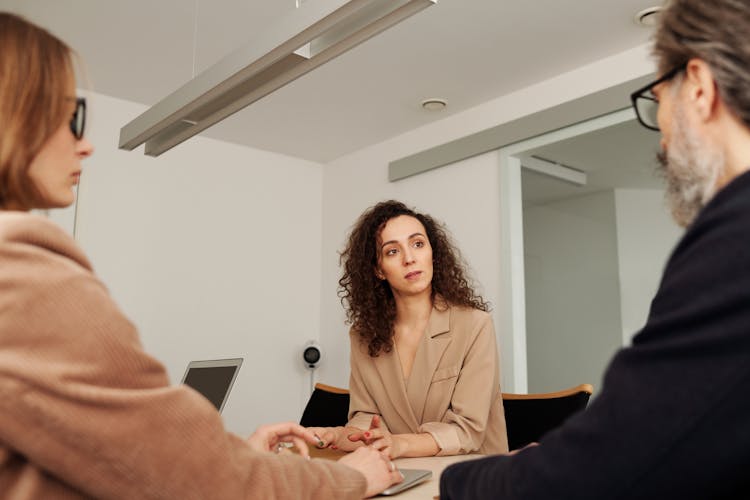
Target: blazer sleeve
[362,406]
[463,427]
[81,401]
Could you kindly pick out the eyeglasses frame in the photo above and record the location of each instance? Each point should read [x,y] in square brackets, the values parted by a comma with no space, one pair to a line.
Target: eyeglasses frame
[80,110]
[638,94]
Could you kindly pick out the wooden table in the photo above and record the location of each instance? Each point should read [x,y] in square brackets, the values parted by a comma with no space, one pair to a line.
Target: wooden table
[424,491]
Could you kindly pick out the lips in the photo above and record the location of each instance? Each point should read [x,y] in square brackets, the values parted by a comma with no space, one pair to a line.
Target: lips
[413,275]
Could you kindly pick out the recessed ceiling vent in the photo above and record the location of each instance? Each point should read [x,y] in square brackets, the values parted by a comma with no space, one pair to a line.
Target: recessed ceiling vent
[647,17]
[434,104]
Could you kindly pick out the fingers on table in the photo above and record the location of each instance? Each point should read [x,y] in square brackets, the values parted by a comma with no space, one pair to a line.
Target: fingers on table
[301,445]
[285,442]
[396,476]
[322,438]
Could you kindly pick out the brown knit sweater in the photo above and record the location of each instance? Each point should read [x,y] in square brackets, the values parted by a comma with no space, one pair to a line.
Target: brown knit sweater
[85,412]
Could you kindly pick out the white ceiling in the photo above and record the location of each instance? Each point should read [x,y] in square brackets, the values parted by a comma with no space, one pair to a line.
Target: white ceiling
[466,51]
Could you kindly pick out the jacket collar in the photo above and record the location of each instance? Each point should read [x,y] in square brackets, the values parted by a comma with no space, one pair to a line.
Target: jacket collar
[411,395]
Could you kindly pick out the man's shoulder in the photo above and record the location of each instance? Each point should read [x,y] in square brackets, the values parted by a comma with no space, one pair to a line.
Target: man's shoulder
[732,199]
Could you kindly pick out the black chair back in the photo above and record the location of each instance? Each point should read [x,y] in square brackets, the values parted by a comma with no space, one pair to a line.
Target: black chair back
[328,407]
[529,416]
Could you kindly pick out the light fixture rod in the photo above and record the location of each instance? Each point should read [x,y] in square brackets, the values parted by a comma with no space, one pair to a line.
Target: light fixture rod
[234,82]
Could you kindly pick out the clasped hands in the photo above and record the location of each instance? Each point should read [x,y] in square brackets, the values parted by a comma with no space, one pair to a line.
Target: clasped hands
[277,437]
[351,438]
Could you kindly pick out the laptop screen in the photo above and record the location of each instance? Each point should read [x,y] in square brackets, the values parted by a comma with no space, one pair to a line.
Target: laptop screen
[213,378]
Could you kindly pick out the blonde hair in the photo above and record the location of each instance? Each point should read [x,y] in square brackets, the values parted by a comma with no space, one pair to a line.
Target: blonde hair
[36,73]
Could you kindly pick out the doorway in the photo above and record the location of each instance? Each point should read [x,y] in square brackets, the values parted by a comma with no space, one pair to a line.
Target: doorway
[588,235]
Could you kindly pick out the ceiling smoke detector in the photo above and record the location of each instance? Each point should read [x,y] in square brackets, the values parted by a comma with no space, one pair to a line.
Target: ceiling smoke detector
[647,17]
[434,104]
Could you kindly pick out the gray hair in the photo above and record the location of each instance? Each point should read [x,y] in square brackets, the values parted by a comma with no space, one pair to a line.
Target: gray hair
[717,32]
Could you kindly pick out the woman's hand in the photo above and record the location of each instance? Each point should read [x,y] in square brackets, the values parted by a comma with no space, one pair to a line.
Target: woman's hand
[380,439]
[327,436]
[336,437]
[271,438]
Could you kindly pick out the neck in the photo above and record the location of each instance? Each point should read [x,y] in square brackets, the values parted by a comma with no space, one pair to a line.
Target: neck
[413,309]
[734,137]
[737,163]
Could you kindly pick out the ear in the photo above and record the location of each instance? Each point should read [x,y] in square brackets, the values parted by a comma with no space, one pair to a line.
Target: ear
[701,88]
[379,274]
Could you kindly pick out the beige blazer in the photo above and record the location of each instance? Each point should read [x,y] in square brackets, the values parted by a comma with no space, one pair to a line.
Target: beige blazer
[453,392]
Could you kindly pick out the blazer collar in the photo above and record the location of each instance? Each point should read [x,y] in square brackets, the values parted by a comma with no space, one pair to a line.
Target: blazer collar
[388,367]
[440,321]
[412,395]
[436,340]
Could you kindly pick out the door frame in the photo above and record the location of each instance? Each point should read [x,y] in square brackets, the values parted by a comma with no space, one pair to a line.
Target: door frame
[512,282]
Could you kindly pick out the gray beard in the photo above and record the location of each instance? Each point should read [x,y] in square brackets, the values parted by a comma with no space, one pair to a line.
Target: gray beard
[691,168]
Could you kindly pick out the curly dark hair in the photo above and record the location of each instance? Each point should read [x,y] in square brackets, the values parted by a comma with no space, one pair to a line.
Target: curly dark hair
[369,303]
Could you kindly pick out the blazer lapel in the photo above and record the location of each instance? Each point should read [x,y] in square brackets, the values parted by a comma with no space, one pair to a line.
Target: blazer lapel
[388,367]
[430,352]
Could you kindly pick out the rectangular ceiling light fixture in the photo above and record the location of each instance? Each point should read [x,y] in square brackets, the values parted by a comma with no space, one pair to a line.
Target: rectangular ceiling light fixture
[315,33]
[553,169]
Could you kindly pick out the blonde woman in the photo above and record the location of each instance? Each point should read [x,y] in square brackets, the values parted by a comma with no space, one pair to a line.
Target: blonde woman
[84,411]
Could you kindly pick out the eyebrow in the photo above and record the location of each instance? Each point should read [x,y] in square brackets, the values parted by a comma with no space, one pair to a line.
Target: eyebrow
[394,241]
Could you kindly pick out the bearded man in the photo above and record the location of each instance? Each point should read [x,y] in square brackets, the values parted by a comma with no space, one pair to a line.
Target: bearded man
[671,420]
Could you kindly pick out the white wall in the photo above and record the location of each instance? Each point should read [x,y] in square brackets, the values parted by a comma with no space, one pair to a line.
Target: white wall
[593,264]
[213,250]
[646,235]
[573,321]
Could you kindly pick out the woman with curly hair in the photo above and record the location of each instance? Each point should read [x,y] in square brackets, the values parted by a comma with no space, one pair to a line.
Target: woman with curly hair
[424,363]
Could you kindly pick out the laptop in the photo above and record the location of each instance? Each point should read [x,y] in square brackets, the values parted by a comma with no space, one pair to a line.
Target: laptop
[412,477]
[213,378]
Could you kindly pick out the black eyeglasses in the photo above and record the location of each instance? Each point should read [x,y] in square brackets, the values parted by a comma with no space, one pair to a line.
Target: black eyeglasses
[646,104]
[78,120]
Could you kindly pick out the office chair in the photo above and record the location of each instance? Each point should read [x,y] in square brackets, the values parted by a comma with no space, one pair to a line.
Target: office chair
[529,416]
[328,407]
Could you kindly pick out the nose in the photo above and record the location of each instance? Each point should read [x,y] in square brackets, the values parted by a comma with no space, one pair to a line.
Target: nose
[84,148]
[408,256]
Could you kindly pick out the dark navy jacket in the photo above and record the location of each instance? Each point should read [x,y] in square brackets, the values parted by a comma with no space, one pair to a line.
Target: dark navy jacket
[673,417]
